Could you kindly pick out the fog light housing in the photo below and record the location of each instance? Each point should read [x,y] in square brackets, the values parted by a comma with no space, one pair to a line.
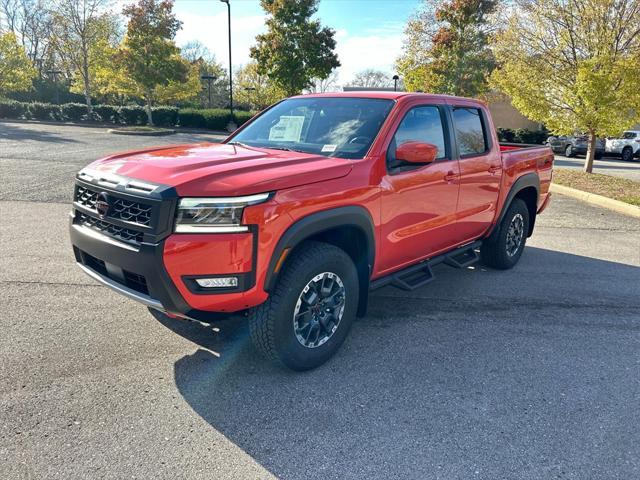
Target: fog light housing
[218,282]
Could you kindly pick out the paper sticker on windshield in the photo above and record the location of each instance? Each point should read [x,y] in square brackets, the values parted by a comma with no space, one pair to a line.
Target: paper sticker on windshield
[329,148]
[288,129]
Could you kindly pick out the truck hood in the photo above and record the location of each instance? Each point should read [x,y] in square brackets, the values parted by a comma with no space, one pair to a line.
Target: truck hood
[208,169]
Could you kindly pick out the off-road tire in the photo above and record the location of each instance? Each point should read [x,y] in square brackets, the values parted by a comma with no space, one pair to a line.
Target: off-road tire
[494,250]
[271,324]
[627,154]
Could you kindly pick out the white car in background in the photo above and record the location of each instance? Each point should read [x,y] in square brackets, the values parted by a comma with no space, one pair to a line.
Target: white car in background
[627,147]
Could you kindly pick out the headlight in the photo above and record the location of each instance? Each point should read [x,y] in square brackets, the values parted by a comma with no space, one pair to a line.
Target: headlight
[217,215]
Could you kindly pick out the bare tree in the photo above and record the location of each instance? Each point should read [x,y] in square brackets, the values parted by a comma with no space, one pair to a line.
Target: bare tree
[78,27]
[371,78]
[322,85]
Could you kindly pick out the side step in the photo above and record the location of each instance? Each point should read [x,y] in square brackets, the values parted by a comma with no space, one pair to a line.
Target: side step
[421,273]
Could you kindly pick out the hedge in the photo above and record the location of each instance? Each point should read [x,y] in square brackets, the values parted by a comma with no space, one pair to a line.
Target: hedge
[522,135]
[214,119]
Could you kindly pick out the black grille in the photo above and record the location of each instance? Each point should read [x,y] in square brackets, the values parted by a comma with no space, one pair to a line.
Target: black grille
[121,209]
[121,233]
[129,211]
[136,282]
[86,197]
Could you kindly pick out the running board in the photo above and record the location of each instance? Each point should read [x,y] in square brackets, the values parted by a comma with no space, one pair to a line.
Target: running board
[421,273]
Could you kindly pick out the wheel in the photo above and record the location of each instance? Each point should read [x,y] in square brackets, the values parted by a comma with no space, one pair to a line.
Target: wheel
[568,151]
[597,156]
[311,308]
[504,251]
[627,154]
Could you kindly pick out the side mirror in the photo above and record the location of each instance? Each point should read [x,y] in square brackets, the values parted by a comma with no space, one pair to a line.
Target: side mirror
[416,152]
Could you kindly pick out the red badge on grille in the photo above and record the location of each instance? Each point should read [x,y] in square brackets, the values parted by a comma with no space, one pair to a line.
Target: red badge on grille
[102,204]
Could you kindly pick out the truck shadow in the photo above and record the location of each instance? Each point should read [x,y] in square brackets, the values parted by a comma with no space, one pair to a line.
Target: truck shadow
[462,376]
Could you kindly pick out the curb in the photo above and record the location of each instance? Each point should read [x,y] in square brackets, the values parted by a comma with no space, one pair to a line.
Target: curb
[598,200]
[142,133]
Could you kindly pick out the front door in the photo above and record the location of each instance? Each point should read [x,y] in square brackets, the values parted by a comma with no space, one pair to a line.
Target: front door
[418,209]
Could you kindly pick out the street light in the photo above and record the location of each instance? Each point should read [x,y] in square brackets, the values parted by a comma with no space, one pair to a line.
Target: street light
[395,82]
[230,68]
[54,74]
[209,78]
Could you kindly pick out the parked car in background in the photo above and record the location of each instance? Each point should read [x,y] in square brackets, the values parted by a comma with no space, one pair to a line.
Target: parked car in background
[573,145]
[628,146]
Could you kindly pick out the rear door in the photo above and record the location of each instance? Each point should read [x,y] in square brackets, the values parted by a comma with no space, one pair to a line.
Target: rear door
[480,169]
[418,204]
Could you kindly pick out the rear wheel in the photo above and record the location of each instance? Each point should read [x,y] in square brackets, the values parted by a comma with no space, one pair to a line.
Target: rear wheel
[627,154]
[504,251]
[310,310]
[568,151]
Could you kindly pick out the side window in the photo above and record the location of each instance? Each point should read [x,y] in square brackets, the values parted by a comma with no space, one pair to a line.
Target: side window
[470,132]
[420,124]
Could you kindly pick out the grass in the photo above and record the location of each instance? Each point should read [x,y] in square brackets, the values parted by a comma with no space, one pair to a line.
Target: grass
[613,187]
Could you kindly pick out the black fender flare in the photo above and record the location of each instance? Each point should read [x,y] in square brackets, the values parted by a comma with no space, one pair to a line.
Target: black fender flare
[525,181]
[319,222]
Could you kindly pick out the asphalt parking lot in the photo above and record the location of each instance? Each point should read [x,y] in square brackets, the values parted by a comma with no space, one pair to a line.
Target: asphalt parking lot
[533,373]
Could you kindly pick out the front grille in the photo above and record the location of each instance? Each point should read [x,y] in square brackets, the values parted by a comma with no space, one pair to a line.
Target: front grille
[121,209]
[133,212]
[132,280]
[86,198]
[121,233]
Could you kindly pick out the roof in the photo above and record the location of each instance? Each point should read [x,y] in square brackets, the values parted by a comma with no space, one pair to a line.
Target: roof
[385,95]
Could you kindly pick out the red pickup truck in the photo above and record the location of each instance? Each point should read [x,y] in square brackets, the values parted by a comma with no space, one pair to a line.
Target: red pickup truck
[305,209]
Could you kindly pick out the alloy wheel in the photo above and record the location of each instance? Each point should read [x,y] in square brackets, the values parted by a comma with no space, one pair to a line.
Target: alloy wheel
[515,235]
[319,309]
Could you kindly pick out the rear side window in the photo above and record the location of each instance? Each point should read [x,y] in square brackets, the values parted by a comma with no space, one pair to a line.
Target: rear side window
[470,131]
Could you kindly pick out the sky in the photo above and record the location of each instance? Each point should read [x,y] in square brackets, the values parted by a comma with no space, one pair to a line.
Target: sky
[368,32]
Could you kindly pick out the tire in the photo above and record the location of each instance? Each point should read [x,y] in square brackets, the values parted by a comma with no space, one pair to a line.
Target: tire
[272,325]
[627,154]
[499,252]
[568,151]
[598,156]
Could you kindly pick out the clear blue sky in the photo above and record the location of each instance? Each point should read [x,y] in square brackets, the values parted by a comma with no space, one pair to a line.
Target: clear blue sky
[368,32]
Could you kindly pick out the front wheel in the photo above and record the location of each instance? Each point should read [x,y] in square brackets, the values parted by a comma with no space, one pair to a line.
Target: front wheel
[627,154]
[310,310]
[504,251]
[568,151]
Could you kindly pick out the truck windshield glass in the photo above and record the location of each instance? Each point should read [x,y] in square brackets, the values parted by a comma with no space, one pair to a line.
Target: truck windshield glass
[333,127]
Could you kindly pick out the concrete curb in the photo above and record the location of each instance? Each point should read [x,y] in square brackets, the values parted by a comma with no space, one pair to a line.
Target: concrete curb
[598,200]
[142,133]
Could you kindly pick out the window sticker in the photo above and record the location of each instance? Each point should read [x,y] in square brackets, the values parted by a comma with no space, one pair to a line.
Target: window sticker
[329,148]
[288,129]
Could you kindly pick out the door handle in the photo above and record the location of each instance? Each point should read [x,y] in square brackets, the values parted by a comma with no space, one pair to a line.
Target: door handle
[450,176]
[494,169]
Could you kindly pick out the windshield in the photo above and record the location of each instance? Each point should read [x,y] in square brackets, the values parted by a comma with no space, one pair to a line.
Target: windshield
[629,135]
[330,126]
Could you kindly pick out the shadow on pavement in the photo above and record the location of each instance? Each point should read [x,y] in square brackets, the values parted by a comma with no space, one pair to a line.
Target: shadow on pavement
[9,131]
[509,385]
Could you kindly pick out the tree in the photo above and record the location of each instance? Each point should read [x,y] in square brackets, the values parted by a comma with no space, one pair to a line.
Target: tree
[573,65]
[81,29]
[149,58]
[446,48]
[371,78]
[255,89]
[295,48]
[322,85]
[16,70]
[197,53]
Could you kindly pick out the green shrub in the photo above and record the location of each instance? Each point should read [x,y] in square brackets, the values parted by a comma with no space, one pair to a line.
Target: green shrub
[211,118]
[106,113]
[74,112]
[165,116]
[132,115]
[12,109]
[43,111]
[522,135]
[506,135]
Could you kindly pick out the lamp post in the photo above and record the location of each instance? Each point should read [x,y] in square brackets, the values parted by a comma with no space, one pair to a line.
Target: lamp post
[54,74]
[395,82]
[230,68]
[209,78]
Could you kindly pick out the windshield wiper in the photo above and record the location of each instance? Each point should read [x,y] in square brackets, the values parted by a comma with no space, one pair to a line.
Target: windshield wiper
[239,144]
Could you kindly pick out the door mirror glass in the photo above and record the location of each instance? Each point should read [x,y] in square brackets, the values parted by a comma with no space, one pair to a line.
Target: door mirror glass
[416,152]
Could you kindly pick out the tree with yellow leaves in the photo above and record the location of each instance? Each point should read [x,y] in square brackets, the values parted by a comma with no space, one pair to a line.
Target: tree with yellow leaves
[16,70]
[573,65]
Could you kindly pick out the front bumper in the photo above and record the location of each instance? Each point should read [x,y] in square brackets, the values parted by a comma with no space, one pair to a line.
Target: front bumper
[160,275]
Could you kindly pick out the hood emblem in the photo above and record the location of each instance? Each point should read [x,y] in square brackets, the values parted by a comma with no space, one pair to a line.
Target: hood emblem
[102,204]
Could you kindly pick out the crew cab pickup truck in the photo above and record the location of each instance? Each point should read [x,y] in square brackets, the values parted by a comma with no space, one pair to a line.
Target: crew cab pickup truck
[296,216]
